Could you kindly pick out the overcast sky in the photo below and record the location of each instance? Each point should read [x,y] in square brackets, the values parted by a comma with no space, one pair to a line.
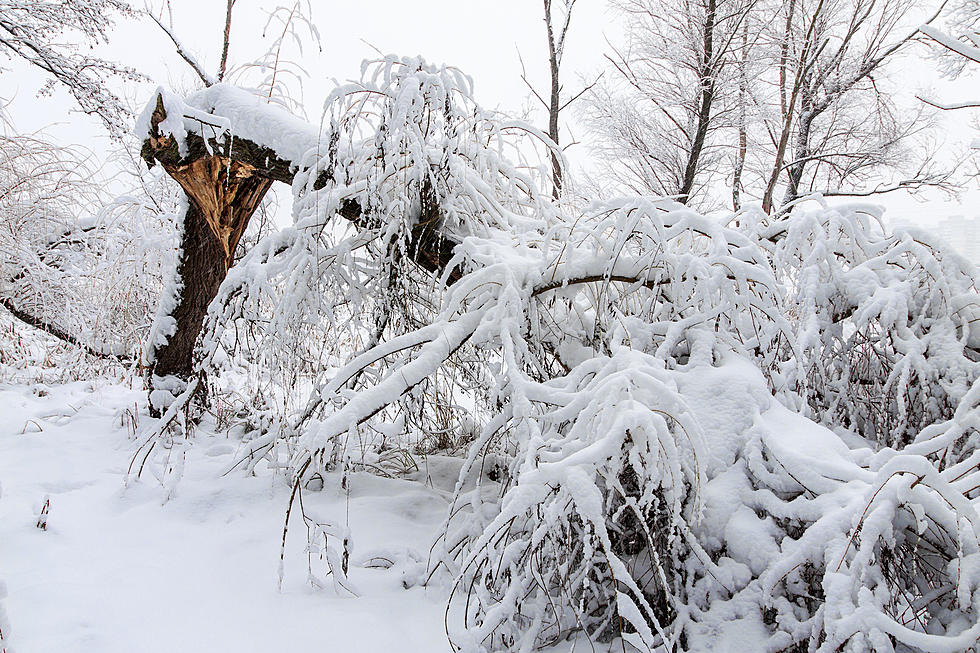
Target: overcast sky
[481,38]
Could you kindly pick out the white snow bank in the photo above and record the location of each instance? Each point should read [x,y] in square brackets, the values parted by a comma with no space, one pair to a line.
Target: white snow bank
[727,401]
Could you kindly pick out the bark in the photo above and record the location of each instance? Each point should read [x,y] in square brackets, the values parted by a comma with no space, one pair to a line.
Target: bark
[789,106]
[222,197]
[224,186]
[225,42]
[743,136]
[553,132]
[802,153]
[554,107]
[777,166]
[704,109]
[201,269]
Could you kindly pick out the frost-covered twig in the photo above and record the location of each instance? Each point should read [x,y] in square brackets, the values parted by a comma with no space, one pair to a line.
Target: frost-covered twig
[34,33]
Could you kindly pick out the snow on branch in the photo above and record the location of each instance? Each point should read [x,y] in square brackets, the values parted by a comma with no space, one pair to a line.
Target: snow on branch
[75,266]
[675,431]
[969,51]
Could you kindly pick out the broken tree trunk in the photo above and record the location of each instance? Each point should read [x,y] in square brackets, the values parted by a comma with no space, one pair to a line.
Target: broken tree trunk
[222,194]
[225,179]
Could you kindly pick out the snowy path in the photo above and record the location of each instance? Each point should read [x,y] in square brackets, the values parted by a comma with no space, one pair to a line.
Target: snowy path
[119,570]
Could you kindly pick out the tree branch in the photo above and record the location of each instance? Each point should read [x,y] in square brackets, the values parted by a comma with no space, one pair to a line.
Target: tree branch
[430,248]
[881,189]
[227,40]
[55,331]
[948,42]
[582,92]
[949,107]
[184,54]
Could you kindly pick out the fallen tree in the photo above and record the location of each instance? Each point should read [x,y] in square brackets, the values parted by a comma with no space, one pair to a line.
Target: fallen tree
[674,431]
[225,174]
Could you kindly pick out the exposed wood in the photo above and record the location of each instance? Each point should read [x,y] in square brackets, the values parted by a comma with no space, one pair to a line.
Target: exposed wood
[430,248]
[225,179]
[226,193]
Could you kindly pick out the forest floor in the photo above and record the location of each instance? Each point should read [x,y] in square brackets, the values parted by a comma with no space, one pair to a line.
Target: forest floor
[123,568]
[125,565]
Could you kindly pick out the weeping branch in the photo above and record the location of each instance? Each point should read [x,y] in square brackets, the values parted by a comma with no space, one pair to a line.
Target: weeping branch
[430,248]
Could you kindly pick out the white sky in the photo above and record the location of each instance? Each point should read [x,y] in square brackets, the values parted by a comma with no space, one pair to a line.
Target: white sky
[481,38]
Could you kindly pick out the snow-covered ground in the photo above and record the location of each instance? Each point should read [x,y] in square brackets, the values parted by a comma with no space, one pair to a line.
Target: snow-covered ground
[121,569]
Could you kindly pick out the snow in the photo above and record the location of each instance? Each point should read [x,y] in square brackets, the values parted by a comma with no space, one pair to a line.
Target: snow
[254,118]
[225,110]
[119,569]
[164,325]
[171,125]
[959,47]
[122,568]
[768,429]
[727,399]
[809,452]
[198,569]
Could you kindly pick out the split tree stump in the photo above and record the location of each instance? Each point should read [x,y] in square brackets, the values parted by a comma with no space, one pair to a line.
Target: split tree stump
[225,180]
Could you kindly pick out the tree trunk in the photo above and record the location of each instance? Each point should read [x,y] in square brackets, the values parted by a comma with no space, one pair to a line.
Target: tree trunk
[200,271]
[801,153]
[222,195]
[554,107]
[224,186]
[743,136]
[708,73]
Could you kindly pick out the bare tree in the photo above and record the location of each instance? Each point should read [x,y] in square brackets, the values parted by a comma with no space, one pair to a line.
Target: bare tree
[189,58]
[223,66]
[556,48]
[658,119]
[835,122]
[793,94]
[556,24]
[742,115]
[959,46]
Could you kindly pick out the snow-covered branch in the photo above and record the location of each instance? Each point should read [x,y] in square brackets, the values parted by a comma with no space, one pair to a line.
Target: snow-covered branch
[966,50]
